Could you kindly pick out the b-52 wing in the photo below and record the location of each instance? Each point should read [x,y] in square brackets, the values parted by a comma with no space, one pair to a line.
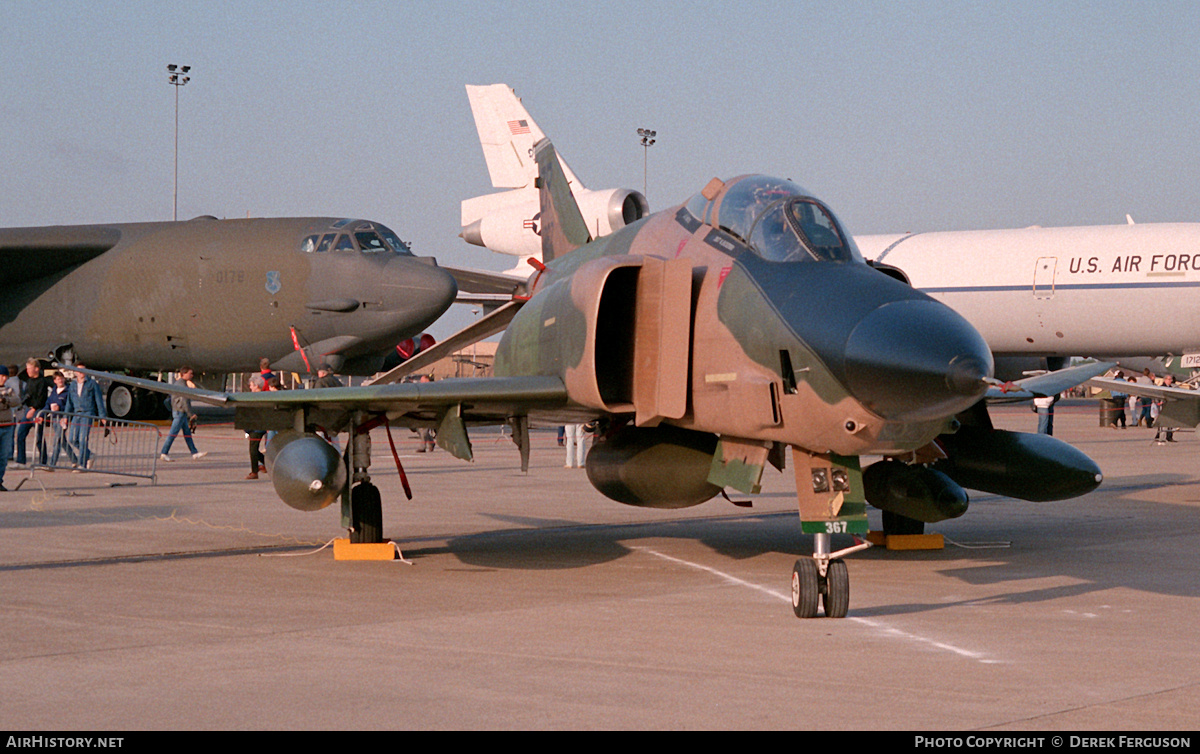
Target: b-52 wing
[31,253]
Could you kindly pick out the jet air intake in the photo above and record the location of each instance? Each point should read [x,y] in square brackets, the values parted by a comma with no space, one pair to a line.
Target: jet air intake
[510,225]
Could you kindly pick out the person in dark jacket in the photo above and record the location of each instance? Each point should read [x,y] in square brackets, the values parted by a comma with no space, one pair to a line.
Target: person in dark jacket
[255,436]
[37,387]
[54,424]
[9,402]
[326,377]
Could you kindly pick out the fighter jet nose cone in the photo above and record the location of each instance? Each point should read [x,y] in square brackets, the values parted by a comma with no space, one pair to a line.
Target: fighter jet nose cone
[915,360]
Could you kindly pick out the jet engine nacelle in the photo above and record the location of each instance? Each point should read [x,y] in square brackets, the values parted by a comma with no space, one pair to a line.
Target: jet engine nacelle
[1027,466]
[510,222]
[654,467]
[406,349]
[307,472]
[917,492]
[606,211]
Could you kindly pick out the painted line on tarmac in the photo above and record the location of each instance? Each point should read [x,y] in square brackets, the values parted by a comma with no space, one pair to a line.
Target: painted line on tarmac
[877,625]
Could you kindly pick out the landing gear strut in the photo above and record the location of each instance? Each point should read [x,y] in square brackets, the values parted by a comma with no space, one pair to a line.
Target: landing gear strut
[829,489]
[362,508]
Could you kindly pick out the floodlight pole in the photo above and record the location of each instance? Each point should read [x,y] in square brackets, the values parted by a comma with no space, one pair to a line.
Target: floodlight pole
[177,77]
[647,141]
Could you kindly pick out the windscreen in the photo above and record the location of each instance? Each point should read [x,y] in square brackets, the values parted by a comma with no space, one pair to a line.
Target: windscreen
[782,223]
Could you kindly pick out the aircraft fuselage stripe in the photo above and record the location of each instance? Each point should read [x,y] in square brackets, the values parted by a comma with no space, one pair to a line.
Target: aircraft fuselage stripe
[1057,287]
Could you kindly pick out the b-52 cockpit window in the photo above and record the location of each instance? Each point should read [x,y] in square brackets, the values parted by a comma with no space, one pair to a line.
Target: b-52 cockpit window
[371,238]
[370,242]
[398,246]
[318,243]
[782,223]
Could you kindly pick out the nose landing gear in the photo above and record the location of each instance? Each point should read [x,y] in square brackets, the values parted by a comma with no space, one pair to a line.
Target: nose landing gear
[820,579]
[829,490]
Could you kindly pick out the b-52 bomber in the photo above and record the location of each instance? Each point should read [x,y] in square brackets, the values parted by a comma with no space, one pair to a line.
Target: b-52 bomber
[709,340]
[217,295]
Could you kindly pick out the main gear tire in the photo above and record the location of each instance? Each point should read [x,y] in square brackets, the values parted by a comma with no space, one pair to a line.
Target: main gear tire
[366,514]
[806,588]
[836,596]
[894,523]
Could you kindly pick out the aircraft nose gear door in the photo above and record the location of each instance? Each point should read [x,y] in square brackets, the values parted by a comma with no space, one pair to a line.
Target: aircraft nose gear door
[1043,277]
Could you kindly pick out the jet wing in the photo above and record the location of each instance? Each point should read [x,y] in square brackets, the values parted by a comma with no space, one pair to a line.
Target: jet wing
[487,400]
[1044,385]
[489,325]
[32,253]
[1181,406]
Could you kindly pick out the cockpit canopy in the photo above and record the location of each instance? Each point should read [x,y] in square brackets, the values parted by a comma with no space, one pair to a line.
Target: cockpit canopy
[779,220]
[356,235]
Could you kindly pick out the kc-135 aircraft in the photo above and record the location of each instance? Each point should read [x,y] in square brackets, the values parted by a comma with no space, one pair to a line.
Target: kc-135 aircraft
[710,340]
[217,295]
[1037,295]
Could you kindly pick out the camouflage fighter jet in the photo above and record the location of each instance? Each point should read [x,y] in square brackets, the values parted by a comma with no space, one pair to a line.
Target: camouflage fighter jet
[709,340]
[215,294]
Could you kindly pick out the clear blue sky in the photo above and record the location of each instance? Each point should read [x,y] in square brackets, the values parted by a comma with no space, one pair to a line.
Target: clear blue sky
[903,116]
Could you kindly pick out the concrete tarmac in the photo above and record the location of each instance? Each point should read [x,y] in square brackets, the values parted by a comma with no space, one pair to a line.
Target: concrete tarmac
[534,602]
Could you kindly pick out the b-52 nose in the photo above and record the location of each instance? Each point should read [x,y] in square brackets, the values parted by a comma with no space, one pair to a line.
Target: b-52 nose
[409,294]
[421,289]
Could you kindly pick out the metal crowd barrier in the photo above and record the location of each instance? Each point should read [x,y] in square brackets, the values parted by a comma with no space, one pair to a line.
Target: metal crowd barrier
[86,443]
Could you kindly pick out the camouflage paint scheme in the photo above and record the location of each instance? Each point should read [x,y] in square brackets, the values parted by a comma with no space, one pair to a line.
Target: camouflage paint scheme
[703,357]
[708,340]
[736,329]
[214,294]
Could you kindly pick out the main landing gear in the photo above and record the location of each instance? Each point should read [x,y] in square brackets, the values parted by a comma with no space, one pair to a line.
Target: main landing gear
[822,579]
[894,523]
[366,514]
[363,505]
